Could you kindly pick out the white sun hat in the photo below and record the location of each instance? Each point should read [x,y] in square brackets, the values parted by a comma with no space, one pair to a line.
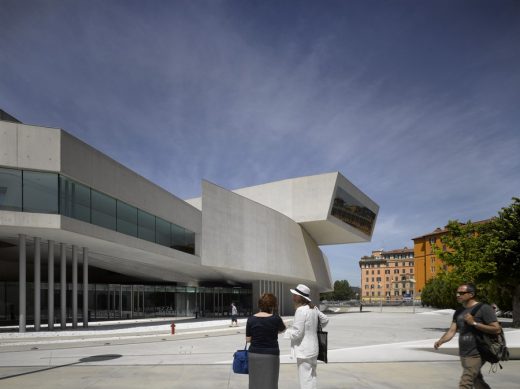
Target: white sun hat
[302,290]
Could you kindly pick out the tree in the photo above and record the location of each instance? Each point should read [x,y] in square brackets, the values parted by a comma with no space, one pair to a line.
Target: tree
[487,254]
[467,255]
[342,291]
[503,247]
[440,291]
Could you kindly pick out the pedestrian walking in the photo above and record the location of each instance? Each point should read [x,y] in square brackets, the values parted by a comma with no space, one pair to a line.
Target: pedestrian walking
[485,320]
[234,315]
[304,337]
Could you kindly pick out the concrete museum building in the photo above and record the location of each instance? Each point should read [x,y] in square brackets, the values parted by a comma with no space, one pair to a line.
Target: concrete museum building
[109,244]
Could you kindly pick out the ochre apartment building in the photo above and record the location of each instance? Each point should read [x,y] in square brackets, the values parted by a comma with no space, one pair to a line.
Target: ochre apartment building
[387,276]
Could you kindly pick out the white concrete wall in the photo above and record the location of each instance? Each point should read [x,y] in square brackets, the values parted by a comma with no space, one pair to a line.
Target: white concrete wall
[29,147]
[242,236]
[301,199]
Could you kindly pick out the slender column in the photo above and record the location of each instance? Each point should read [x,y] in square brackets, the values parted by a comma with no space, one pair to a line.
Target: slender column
[50,282]
[63,287]
[37,283]
[85,287]
[74,286]
[22,270]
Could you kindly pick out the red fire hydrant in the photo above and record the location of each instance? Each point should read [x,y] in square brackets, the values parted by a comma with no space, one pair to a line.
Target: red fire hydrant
[173,328]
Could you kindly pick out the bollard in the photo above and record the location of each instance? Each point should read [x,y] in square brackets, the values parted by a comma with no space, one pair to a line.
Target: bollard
[173,328]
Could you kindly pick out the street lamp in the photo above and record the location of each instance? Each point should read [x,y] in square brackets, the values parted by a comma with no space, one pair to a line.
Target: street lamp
[412,280]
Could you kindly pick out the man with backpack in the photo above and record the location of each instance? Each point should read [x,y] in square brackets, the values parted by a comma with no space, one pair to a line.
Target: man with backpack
[468,320]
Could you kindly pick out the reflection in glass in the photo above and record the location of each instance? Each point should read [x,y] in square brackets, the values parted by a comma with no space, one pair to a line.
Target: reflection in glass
[40,192]
[351,211]
[162,233]
[146,226]
[74,200]
[126,219]
[103,210]
[10,189]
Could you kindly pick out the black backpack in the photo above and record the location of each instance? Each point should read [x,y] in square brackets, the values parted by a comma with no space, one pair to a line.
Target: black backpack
[492,348]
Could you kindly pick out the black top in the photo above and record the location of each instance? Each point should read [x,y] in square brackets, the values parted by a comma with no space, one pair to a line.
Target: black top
[264,334]
[467,343]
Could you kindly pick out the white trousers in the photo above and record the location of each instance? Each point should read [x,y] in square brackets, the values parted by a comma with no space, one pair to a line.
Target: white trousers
[307,372]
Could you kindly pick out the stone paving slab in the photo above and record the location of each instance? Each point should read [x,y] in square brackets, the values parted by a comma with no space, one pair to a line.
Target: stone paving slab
[366,350]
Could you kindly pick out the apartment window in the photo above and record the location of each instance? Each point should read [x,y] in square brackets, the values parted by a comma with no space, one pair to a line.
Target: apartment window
[432,269]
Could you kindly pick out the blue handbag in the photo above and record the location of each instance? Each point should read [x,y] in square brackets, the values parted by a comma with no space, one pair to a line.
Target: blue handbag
[240,362]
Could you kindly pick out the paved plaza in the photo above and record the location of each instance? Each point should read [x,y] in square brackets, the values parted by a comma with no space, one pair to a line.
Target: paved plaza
[372,349]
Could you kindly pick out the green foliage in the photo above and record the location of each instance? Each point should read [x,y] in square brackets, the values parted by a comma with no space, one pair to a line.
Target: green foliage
[440,291]
[504,244]
[469,258]
[342,291]
[487,255]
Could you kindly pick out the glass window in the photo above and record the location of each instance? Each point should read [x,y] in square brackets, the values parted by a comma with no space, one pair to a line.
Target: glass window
[10,189]
[74,200]
[163,232]
[126,219]
[351,211]
[146,226]
[177,237]
[40,192]
[103,210]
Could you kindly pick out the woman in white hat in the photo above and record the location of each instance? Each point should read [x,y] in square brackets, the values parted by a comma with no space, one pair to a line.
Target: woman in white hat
[303,335]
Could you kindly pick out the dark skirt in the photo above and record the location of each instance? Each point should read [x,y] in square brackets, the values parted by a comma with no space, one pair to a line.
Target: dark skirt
[264,370]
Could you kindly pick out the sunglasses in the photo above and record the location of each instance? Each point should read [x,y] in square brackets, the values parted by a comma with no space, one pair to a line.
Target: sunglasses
[461,293]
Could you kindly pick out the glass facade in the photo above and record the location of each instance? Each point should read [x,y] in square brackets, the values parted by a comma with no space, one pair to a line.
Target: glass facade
[349,210]
[119,301]
[10,189]
[74,200]
[103,210]
[42,192]
[126,219]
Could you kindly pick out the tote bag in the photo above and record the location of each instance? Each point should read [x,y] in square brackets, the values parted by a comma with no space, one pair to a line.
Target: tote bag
[240,361]
[322,343]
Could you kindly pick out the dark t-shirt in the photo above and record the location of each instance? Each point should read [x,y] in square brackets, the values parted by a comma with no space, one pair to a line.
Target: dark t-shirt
[264,334]
[467,344]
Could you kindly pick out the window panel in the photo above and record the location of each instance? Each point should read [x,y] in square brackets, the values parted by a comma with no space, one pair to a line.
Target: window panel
[74,200]
[163,232]
[353,212]
[146,226]
[103,210]
[10,189]
[40,192]
[126,219]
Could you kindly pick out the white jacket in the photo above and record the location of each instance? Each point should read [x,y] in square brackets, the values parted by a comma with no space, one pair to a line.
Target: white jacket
[303,332]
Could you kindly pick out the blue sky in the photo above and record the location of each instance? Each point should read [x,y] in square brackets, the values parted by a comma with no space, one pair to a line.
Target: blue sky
[416,102]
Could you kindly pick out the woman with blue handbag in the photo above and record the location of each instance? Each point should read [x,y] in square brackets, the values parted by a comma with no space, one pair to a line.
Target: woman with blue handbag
[262,331]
